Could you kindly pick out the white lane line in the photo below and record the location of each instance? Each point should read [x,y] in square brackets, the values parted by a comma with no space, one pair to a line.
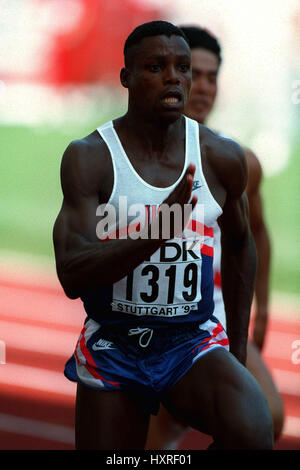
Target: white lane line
[279,345]
[291,426]
[65,434]
[37,339]
[36,379]
[287,382]
[41,306]
[35,428]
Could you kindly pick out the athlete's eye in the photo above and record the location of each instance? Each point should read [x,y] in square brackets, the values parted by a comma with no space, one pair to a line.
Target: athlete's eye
[184,68]
[195,75]
[154,68]
[212,79]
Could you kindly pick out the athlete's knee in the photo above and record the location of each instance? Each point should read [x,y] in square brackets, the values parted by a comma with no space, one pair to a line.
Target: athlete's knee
[278,419]
[253,424]
[255,434]
[277,413]
[259,370]
[259,434]
[258,430]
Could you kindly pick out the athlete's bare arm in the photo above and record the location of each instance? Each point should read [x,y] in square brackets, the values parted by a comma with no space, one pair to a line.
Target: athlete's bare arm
[83,262]
[238,263]
[263,247]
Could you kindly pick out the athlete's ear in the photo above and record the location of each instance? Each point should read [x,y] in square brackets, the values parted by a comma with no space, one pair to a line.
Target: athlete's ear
[124,76]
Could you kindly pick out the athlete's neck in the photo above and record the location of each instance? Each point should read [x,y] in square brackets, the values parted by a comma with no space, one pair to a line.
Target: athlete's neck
[152,135]
[200,121]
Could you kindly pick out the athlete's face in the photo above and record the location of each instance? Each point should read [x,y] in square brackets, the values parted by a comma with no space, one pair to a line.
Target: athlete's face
[159,77]
[205,66]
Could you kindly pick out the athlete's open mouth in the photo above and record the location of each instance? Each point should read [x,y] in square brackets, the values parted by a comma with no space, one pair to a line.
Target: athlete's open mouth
[172,96]
[200,103]
[171,100]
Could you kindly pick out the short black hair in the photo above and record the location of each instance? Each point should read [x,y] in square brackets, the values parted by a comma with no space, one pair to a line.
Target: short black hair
[202,38]
[152,28]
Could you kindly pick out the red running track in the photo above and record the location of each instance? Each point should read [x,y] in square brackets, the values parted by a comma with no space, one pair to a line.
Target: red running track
[39,328]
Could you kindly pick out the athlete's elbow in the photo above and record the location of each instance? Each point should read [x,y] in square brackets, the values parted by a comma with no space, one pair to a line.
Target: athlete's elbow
[249,253]
[241,246]
[247,243]
[67,282]
[71,293]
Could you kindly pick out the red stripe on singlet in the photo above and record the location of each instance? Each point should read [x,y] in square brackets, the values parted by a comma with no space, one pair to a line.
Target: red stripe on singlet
[200,228]
[217,279]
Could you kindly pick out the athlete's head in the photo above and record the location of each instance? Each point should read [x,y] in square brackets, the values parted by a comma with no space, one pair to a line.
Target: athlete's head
[206,60]
[157,70]
[146,30]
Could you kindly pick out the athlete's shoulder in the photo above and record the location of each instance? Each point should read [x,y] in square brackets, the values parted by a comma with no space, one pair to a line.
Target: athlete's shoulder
[86,150]
[227,158]
[220,146]
[255,172]
[84,163]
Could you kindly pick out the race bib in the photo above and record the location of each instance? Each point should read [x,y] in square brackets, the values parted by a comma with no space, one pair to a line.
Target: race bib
[168,284]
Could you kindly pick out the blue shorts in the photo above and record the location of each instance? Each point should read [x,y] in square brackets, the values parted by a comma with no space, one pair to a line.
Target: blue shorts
[145,360]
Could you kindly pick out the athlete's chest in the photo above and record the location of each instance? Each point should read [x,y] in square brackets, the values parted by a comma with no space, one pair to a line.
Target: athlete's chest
[159,167]
[160,173]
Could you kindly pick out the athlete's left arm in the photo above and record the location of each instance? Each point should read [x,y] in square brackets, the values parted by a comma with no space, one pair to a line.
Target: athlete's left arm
[238,262]
[263,247]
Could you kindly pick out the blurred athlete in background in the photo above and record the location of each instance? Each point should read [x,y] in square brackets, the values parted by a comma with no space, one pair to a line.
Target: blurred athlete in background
[206,60]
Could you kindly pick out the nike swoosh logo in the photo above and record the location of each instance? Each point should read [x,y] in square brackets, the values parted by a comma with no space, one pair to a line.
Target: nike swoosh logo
[196,185]
[102,344]
[97,348]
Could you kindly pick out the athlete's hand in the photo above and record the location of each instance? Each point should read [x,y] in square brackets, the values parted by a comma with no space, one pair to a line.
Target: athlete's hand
[174,213]
[183,191]
[260,328]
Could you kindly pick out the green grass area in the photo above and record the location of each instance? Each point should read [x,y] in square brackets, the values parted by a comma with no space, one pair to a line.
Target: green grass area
[31,198]
[282,210]
[30,188]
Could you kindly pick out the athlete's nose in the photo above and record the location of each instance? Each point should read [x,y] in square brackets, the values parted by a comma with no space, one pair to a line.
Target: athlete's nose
[172,75]
[202,86]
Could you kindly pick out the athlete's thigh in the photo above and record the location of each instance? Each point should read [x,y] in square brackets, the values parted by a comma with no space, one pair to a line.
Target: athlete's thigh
[219,396]
[108,420]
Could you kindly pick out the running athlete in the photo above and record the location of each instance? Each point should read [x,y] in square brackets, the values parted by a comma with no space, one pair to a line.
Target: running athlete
[150,335]
[206,60]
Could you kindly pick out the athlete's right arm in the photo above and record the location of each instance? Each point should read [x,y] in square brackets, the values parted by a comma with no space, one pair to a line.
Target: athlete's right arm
[83,262]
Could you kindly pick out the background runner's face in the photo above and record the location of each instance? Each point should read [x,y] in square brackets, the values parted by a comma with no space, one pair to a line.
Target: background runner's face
[203,92]
[159,77]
